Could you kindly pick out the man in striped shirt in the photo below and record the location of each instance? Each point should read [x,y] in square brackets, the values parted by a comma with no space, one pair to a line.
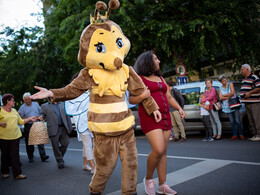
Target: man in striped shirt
[250,95]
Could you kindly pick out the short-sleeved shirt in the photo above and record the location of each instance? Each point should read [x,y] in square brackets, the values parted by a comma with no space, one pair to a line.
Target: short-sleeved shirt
[11,131]
[249,84]
[28,111]
[203,111]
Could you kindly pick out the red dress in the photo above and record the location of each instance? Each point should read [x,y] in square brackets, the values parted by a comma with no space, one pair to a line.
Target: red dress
[158,91]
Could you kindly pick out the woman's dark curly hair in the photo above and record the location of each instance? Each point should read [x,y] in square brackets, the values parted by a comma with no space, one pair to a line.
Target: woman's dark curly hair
[145,66]
[7,97]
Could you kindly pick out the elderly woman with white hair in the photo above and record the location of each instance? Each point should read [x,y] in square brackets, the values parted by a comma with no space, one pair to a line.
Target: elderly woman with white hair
[250,95]
[227,91]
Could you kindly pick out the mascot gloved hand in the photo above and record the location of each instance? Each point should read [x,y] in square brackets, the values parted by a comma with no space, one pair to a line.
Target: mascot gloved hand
[103,47]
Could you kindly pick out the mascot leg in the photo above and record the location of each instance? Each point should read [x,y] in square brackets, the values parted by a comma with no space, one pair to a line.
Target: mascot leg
[129,163]
[105,153]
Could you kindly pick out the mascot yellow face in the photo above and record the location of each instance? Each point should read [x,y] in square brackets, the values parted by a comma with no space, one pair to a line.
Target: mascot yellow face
[107,49]
[103,44]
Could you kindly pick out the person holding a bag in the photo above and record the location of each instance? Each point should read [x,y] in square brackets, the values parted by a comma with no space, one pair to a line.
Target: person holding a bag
[28,109]
[212,97]
[226,93]
[10,135]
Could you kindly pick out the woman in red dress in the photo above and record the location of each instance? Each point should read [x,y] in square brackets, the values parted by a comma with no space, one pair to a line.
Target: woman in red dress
[157,132]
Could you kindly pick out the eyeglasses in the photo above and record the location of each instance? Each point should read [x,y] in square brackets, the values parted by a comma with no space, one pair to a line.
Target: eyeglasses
[12,100]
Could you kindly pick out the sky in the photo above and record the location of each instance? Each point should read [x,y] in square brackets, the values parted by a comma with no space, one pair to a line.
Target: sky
[16,13]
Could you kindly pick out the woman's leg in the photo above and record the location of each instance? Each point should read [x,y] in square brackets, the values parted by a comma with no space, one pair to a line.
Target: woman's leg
[217,122]
[157,141]
[238,121]
[88,149]
[92,164]
[5,156]
[231,117]
[15,158]
[162,165]
[213,123]
[85,162]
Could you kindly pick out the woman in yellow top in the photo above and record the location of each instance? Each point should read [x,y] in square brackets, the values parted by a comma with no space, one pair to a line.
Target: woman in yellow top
[10,135]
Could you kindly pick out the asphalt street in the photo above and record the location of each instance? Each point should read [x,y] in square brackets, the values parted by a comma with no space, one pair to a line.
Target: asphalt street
[194,167]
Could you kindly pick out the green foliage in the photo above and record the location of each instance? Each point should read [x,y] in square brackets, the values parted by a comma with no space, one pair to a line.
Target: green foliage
[18,65]
[202,32]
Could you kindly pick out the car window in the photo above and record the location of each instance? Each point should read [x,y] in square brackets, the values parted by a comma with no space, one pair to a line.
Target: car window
[191,95]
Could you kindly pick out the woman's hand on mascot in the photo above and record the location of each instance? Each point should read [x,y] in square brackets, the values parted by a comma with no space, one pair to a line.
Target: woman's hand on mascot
[43,93]
[146,94]
[157,116]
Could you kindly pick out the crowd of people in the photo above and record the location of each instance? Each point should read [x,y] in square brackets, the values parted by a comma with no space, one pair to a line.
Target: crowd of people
[230,104]
[157,128]
[58,126]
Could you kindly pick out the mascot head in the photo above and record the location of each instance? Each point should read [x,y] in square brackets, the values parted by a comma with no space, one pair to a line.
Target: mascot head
[102,43]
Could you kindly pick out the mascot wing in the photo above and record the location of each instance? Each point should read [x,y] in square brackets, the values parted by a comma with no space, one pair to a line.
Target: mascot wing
[78,105]
[82,122]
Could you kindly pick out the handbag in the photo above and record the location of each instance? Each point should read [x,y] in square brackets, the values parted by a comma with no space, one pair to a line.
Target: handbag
[234,103]
[217,106]
[38,134]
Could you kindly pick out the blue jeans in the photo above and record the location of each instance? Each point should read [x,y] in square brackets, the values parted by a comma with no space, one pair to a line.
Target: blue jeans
[235,122]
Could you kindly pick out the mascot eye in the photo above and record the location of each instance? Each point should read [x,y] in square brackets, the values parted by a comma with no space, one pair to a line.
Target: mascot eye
[119,43]
[100,48]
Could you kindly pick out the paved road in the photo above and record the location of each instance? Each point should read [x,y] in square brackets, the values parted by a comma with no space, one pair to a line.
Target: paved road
[194,168]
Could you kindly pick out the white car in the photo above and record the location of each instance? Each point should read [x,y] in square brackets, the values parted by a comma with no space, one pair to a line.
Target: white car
[192,121]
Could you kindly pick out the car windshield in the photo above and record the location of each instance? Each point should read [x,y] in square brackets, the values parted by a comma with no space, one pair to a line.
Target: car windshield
[191,95]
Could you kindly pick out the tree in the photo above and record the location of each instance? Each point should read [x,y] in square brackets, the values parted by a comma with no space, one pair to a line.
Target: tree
[203,32]
[20,57]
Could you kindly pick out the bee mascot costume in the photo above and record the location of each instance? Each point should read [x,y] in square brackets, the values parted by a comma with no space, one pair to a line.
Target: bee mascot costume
[103,47]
